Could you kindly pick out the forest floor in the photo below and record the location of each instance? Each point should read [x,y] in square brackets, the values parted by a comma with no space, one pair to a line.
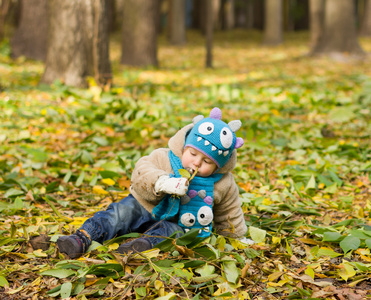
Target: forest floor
[303,173]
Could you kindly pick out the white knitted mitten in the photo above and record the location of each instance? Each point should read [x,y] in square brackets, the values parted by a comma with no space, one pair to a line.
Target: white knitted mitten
[172,186]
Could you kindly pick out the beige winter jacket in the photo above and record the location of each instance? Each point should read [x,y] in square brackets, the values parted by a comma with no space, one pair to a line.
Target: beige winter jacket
[228,215]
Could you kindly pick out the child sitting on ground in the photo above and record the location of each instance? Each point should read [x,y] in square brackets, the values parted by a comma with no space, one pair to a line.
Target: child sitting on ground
[162,202]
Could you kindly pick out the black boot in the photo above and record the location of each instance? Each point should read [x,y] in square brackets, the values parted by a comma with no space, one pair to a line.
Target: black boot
[137,245]
[74,245]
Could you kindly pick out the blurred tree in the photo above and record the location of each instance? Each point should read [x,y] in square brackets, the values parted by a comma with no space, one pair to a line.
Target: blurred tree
[199,14]
[365,29]
[4,8]
[78,42]
[139,32]
[227,12]
[113,24]
[339,30]
[317,13]
[249,14]
[31,38]
[296,16]
[177,22]
[209,33]
[273,25]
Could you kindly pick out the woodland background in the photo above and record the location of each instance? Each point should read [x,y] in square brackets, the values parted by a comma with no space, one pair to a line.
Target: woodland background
[88,87]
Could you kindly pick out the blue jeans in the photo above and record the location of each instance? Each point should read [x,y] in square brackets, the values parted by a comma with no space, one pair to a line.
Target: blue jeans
[124,217]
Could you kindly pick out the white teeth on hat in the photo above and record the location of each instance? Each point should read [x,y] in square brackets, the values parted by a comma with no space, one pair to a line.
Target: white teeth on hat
[213,148]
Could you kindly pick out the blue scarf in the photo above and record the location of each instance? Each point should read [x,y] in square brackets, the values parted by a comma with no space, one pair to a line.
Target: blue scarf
[195,208]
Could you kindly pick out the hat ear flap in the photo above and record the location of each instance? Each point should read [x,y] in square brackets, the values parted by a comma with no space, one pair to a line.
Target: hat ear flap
[239,143]
[235,125]
[197,119]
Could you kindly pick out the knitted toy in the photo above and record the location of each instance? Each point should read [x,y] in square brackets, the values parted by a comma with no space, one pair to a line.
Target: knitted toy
[217,140]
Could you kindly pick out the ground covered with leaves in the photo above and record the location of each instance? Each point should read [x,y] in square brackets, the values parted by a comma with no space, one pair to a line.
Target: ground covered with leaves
[304,173]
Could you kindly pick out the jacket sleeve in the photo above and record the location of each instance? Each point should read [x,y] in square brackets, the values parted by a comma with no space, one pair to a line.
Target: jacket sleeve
[228,215]
[146,172]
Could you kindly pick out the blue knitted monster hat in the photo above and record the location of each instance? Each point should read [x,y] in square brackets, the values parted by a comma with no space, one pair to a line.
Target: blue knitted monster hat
[214,138]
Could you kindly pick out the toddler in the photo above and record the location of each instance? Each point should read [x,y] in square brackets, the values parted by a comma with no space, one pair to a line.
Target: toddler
[162,202]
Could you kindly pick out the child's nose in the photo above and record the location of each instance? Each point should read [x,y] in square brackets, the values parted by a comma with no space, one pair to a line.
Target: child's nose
[197,162]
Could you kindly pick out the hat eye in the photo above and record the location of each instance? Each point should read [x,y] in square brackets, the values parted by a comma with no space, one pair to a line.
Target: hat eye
[205,215]
[226,137]
[188,219]
[206,128]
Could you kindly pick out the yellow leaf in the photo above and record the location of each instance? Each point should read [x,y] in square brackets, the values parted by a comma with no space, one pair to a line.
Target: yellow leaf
[108,181]
[310,272]
[346,271]
[152,253]
[363,251]
[78,221]
[90,281]
[360,184]
[274,276]
[243,295]
[276,239]
[310,241]
[245,270]
[184,173]
[278,284]
[36,282]
[158,284]
[267,201]
[113,246]
[40,253]
[275,112]
[321,186]
[224,288]
[112,261]
[97,189]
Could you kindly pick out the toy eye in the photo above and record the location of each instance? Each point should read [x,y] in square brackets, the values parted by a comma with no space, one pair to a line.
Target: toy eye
[206,128]
[205,215]
[226,137]
[188,219]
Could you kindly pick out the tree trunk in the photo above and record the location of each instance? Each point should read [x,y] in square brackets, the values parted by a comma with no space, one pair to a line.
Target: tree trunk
[273,31]
[30,38]
[78,42]
[4,8]
[139,33]
[317,14]
[209,33]
[365,29]
[250,14]
[339,33]
[228,15]
[288,17]
[177,22]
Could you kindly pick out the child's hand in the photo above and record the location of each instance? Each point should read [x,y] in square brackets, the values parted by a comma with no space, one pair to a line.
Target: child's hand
[172,186]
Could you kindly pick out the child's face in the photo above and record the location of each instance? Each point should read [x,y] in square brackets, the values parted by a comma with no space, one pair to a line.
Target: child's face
[192,159]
